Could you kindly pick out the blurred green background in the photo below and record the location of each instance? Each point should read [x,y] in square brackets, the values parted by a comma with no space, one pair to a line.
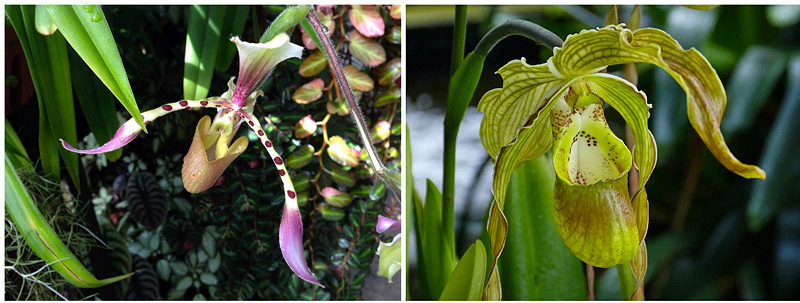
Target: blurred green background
[713,235]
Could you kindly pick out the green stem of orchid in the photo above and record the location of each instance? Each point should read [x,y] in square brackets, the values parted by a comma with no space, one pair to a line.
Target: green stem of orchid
[523,28]
[286,21]
[451,133]
[626,281]
[459,38]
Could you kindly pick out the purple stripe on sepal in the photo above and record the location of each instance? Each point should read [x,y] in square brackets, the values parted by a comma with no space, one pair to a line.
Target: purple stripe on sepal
[385,224]
[120,139]
[291,241]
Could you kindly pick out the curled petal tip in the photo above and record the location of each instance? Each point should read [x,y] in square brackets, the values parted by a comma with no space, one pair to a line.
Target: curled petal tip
[291,242]
[385,224]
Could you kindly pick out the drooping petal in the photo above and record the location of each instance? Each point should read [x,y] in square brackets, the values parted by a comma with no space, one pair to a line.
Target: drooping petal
[592,50]
[200,171]
[291,229]
[385,224]
[130,129]
[256,61]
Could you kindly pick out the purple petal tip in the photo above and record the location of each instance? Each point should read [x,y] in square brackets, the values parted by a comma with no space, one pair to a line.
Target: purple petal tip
[291,242]
[385,224]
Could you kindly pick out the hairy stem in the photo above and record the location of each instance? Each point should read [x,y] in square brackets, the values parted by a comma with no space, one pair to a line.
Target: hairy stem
[355,111]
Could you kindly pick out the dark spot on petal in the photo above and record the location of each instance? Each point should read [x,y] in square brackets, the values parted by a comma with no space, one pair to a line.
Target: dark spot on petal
[184,103]
[267,143]
[278,160]
[203,103]
[166,107]
[251,123]
[291,194]
[260,132]
[281,172]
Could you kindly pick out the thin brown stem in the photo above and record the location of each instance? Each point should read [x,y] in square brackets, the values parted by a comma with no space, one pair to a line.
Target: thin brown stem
[590,282]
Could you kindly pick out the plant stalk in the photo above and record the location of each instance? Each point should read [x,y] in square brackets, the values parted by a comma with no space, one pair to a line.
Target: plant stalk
[459,38]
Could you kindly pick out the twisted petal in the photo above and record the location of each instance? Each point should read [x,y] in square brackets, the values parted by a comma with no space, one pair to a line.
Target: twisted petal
[200,171]
[291,229]
[256,61]
[591,50]
[525,92]
[130,129]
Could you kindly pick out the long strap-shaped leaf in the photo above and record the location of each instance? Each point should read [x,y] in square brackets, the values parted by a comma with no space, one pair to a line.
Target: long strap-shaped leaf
[49,66]
[202,45]
[86,29]
[42,238]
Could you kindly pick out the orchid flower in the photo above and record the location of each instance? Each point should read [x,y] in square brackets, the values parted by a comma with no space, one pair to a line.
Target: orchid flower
[211,150]
[389,253]
[559,104]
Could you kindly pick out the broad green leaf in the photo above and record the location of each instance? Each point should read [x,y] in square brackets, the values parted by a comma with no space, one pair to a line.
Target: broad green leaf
[313,64]
[770,195]
[15,151]
[86,29]
[439,253]
[97,103]
[358,80]
[202,45]
[592,50]
[390,95]
[42,239]
[335,197]
[330,213]
[367,20]
[341,176]
[750,86]
[300,157]
[395,35]
[309,92]
[390,71]
[466,282]
[535,264]
[49,66]
[366,50]
[417,221]
[341,153]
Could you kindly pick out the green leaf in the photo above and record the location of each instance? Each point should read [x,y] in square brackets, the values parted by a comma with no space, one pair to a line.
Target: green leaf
[235,18]
[41,238]
[391,95]
[341,176]
[313,64]
[439,253]
[202,45]
[184,283]
[49,66]
[15,150]
[390,71]
[335,197]
[535,264]
[300,157]
[381,131]
[750,86]
[97,104]
[338,106]
[341,153]
[87,31]
[309,92]
[466,282]
[358,80]
[770,195]
[330,213]
[366,50]
[44,24]
[367,20]
[208,278]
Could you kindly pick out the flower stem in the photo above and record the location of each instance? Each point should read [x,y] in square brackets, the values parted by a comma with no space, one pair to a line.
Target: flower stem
[459,38]
[523,28]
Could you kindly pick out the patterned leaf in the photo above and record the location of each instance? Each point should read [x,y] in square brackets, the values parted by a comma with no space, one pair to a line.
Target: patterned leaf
[313,64]
[366,50]
[358,80]
[367,20]
[309,92]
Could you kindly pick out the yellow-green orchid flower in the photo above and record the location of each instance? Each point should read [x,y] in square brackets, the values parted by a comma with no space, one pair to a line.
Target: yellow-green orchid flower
[211,150]
[559,104]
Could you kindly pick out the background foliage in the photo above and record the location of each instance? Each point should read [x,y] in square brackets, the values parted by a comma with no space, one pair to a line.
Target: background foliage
[713,235]
[222,244]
